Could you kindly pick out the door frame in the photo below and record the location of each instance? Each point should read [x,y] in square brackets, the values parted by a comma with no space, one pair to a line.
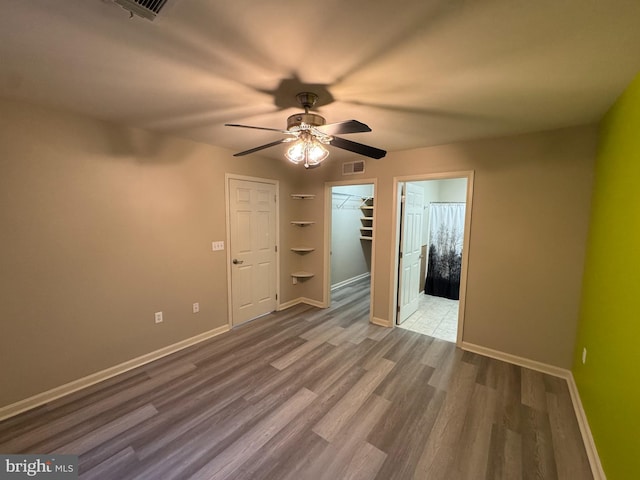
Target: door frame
[227,180]
[326,289]
[395,245]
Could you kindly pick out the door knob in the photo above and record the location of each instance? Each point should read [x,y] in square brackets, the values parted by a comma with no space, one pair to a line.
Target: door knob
[237,262]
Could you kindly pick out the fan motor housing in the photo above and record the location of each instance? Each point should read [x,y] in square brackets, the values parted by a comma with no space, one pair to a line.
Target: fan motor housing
[307,118]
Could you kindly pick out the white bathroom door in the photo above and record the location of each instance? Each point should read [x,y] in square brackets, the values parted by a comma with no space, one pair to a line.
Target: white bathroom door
[410,250]
[252,223]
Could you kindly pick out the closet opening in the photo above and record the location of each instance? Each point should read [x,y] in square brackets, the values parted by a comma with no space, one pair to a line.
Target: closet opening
[351,230]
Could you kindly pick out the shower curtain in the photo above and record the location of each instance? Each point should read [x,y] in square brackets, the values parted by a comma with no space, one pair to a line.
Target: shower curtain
[446,230]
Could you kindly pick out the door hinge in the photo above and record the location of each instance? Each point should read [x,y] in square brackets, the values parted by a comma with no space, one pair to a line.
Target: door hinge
[398,309]
[276,296]
[403,198]
[400,254]
[275,198]
[275,247]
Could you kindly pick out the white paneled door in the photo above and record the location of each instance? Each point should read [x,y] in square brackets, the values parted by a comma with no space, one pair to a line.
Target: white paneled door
[410,250]
[252,223]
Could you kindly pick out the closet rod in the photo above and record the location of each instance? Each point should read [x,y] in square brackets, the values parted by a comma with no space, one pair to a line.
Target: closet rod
[443,203]
[349,197]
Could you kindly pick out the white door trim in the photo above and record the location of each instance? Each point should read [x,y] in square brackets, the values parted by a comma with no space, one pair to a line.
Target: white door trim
[227,178]
[394,258]
[326,281]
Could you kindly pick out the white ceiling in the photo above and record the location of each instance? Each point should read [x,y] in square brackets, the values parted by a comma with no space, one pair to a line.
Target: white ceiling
[418,72]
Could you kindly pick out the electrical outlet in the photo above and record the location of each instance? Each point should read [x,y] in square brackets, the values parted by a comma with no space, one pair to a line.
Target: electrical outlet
[215,246]
[196,307]
[584,355]
[158,317]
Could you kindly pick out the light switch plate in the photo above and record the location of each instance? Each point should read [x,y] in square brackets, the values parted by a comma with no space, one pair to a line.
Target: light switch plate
[215,246]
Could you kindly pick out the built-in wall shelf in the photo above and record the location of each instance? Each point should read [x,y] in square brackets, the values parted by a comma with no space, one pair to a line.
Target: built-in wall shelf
[301,223]
[302,249]
[302,274]
[367,208]
[302,196]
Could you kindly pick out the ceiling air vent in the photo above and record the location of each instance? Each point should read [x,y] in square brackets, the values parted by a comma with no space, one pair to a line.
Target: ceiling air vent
[143,8]
[352,168]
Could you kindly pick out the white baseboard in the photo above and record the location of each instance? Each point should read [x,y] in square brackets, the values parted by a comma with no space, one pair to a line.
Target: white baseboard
[349,281]
[313,303]
[298,301]
[583,423]
[516,360]
[71,387]
[289,304]
[381,322]
[585,430]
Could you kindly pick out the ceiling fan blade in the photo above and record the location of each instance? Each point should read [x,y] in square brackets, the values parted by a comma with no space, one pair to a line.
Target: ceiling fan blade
[261,147]
[340,128]
[356,147]
[258,128]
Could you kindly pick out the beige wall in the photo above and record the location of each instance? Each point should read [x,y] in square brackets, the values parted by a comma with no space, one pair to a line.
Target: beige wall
[529,225]
[453,190]
[101,227]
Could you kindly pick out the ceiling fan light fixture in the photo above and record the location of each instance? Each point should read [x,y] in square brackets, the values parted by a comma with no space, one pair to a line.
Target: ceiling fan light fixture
[295,153]
[309,133]
[316,153]
[308,150]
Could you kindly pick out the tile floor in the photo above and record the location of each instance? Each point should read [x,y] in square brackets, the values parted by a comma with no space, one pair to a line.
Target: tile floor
[436,317]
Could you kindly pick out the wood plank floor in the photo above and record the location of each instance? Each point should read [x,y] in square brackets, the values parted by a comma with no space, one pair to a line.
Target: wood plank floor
[314,394]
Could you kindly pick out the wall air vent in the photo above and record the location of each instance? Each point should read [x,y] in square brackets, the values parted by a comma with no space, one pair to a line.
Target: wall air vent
[352,168]
[143,8]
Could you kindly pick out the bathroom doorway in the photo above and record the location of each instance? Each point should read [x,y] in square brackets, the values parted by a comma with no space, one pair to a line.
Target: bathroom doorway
[432,236]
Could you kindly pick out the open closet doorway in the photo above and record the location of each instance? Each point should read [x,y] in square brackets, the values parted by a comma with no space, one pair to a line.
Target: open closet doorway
[350,221]
[432,240]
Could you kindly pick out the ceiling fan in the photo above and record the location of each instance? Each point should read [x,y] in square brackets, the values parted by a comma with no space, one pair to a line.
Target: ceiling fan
[309,132]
